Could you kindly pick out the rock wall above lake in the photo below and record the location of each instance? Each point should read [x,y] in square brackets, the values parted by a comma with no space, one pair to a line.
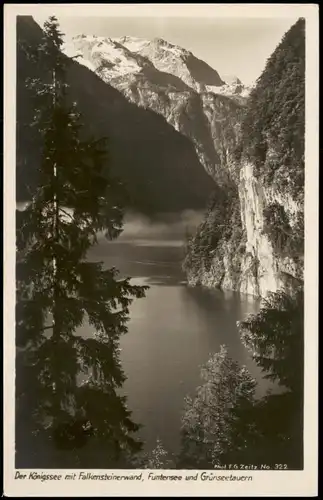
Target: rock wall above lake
[252,238]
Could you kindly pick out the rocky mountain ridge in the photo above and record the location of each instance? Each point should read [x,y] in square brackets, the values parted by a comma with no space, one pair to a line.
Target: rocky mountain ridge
[126,55]
[171,81]
[158,165]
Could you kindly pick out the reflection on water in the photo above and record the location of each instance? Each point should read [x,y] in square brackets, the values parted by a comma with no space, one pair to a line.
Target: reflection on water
[172,331]
[171,334]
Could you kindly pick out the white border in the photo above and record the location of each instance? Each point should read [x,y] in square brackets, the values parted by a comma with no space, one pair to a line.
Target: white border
[271,483]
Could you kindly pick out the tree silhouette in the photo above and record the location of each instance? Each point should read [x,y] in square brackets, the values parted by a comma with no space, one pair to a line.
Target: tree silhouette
[67,385]
[215,426]
[275,336]
[275,116]
[225,423]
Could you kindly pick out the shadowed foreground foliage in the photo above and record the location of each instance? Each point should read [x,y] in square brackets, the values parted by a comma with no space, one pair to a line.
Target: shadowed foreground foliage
[225,423]
[69,412]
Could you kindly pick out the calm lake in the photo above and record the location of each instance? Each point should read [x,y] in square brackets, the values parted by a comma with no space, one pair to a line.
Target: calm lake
[173,330]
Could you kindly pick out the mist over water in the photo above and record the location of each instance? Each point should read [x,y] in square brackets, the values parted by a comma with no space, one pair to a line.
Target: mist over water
[168,227]
[175,328]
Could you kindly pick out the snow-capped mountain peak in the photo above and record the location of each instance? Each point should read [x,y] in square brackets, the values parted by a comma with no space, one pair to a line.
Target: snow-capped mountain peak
[129,55]
[170,81]
[108,55]
[231,80]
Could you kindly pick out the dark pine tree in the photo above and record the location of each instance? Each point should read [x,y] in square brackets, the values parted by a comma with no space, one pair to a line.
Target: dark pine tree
[216,428]
[69,411]
[225,423]
[275,336]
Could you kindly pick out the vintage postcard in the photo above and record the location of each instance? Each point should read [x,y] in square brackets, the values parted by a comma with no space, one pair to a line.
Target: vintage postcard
[160,250]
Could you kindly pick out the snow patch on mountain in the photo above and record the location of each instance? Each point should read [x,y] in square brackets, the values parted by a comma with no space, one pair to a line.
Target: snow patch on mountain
[172,82]
[127,55]
[231,79]
[131,43]
[119,58]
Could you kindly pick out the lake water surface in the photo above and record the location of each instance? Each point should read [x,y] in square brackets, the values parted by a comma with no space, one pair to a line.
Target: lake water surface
[172,331]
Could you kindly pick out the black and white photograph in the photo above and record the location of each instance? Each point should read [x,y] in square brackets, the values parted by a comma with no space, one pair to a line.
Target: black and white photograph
[160,247]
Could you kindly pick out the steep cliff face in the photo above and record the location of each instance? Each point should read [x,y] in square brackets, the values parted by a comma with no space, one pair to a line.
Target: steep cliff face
[172,82]
[252,146]
[255,252]
[263,248]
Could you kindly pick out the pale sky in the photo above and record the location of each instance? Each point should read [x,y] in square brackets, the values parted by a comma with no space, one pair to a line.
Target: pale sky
[232,46]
